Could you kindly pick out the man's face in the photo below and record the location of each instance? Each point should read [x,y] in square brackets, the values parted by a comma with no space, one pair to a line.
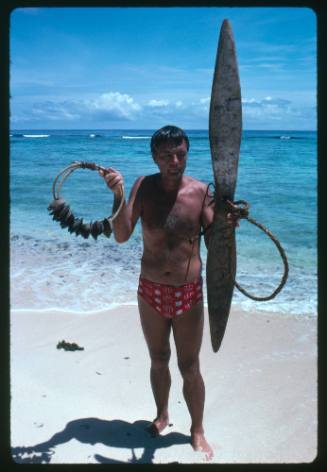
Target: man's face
[171,159]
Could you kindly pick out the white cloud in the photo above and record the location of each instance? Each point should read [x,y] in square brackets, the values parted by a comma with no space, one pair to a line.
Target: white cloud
[114,104]
[270,109]
[108,106]
[246,101]
[158,103]
[201,107]
[164,109]
[267,101]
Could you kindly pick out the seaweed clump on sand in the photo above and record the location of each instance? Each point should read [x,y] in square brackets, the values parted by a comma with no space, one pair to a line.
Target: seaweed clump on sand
[69,346]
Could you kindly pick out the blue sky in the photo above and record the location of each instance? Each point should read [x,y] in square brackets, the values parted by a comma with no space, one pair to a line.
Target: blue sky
[142,68]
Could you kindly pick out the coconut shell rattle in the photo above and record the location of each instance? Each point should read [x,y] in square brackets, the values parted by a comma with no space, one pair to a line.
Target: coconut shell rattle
[61,212]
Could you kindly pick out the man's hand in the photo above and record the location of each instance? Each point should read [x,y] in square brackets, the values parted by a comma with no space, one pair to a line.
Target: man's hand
[113,179]
[233,219]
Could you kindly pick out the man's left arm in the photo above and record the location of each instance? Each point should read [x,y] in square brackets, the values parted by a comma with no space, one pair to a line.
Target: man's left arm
[207,216]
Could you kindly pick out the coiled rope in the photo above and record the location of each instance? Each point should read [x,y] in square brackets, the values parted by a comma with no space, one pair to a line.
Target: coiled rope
[62,213]
[240,208]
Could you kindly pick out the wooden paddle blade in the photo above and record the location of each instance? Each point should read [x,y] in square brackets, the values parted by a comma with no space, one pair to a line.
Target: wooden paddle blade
[220,274]
[225,116]
[225,131]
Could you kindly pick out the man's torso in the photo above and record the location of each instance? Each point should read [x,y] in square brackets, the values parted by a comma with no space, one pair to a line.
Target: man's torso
[171,224]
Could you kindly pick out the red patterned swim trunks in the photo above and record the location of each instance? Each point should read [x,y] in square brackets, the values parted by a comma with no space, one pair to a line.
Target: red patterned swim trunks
[169,300]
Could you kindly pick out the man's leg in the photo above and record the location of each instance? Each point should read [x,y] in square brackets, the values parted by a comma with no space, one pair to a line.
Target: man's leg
[156,331]
[188,330]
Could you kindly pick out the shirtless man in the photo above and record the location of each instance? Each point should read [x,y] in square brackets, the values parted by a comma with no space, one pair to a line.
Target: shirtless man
[173,209]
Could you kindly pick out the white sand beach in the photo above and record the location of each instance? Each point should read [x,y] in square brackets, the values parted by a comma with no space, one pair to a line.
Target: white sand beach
[93,405]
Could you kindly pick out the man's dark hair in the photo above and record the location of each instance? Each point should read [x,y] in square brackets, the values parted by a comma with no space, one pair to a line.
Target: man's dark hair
[168,134]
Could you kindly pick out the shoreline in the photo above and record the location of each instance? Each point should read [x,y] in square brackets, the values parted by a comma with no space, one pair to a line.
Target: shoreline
[92,406]
[238,307]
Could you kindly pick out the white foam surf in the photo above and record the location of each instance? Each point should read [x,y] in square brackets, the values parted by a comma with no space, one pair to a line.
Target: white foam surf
[36,135]
[136,137]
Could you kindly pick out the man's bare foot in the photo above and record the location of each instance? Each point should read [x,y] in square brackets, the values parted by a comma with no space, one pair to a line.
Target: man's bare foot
[158,425]
[199,443]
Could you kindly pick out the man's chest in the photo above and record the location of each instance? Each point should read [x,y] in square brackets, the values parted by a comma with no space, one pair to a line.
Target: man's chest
[180,217]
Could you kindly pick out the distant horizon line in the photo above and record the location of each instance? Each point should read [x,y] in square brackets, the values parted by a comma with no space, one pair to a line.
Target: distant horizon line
[147,129]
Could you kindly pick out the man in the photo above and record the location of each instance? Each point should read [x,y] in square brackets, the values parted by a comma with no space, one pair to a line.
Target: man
[173,209]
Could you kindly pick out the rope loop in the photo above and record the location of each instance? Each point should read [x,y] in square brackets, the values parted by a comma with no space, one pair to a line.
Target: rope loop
[285,263]
[240,208]
[61,212]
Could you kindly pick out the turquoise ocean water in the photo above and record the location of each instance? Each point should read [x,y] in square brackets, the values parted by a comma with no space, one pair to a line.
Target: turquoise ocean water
[52,269]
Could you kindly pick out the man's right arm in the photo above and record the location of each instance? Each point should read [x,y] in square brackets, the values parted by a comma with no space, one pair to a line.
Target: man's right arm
[124,223]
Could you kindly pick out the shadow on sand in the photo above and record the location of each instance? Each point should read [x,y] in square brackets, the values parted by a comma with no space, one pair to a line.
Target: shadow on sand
[114,433]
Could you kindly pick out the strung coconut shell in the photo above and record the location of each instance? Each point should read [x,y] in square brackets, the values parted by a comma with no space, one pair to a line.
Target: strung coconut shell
[55,210]
[64,212]
[56,213]
[100,227]
[72,226]
[64,221]
[106,227]
[77,226]
[85,230]
[56,216]
[56,205]
[96,229]
[68,220]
